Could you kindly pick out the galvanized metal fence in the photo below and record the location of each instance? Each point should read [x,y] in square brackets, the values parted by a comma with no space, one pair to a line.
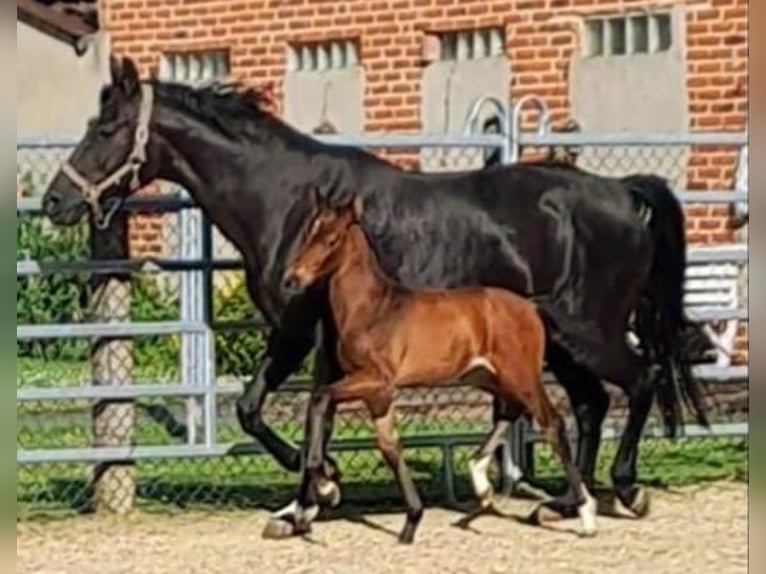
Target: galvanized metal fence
[128,365]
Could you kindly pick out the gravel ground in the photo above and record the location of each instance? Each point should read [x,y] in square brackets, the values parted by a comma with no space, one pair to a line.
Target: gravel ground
[697,529]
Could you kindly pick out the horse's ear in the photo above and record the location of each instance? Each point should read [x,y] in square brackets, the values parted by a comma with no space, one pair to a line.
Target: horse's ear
[115,69]
[320,201]
[124,75]
[129,80]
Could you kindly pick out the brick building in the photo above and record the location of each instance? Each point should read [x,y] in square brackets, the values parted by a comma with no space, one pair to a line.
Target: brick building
[378,59]
[643,65]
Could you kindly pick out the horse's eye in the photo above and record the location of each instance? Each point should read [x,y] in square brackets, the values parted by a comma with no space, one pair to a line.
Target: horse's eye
[107,130]
[332,240]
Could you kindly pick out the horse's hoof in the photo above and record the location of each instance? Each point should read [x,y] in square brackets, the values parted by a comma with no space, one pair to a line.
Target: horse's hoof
[637,505]
[587,533]
[328,492]
[277,528]
[544,514]
[406,538]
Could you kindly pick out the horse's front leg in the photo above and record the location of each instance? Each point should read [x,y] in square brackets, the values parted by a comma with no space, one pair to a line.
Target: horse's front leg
[283,356]
[590,403]
[320,418]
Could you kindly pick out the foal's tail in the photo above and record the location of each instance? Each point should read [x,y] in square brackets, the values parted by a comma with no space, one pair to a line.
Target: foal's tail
[661,321]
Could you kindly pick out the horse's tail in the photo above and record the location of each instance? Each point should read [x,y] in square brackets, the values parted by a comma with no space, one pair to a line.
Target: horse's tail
[661,321]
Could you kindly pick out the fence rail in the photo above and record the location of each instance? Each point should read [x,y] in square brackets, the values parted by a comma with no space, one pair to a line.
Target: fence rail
[203,331]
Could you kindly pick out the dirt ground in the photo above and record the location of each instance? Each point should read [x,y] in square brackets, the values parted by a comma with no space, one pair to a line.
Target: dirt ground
[697,529]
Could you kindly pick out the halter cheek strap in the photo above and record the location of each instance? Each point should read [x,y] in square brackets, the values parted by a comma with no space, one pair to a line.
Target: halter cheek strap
[91,192]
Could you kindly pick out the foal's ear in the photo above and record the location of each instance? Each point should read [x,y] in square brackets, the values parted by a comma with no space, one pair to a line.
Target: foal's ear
[357,208]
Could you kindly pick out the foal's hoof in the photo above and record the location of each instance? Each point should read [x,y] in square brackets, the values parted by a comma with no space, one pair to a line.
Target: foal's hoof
[632,504]
[278,528]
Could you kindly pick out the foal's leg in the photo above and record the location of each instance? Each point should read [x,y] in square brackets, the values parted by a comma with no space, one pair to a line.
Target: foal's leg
[479,463]
[382,412]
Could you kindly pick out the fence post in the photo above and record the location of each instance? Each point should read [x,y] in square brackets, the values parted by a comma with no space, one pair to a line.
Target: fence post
[114,485]
[512,456]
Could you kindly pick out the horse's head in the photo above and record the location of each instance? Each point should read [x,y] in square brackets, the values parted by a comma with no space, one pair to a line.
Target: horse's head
[321,250]
[110,162]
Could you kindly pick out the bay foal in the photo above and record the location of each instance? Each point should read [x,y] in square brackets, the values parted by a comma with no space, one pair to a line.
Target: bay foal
[391,337]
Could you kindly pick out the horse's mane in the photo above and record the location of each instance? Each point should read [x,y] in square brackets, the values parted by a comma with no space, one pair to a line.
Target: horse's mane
[227,105]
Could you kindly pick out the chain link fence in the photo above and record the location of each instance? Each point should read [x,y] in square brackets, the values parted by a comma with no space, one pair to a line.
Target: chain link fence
[174,440]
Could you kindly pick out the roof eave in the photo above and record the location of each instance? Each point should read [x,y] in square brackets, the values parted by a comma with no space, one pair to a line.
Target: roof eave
[65,28]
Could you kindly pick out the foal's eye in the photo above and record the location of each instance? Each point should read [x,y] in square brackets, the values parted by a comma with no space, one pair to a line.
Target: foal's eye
[332,240]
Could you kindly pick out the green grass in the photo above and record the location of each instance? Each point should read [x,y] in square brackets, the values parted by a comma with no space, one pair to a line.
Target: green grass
[39,373]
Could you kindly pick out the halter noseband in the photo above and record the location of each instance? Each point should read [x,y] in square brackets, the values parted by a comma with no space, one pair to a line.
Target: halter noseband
[91,192]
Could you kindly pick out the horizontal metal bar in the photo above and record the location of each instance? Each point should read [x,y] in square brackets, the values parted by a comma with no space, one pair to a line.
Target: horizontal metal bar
[718,254]
[373,139]
[713,196]
[657,432]
[384,140]
[44,142]
[633,139]
[158,328]
[107,454]
[162,203]
[142,329]
[108,392]
[146,265]
[723,254]
[687,430]
[165,203]
[294,385]
[702,315]
[714,373]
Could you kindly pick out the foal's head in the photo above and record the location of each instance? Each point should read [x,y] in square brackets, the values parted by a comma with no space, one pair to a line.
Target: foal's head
[321,250]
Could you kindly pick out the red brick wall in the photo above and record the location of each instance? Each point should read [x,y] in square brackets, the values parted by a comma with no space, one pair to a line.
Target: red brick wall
[541,38]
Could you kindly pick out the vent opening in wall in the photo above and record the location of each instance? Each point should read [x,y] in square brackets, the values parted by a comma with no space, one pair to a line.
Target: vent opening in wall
[195,67]
[471,44]
[628,34]
[319,56]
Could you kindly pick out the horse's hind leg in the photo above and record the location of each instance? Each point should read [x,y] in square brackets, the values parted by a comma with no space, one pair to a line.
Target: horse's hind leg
[590,403]
[640,397]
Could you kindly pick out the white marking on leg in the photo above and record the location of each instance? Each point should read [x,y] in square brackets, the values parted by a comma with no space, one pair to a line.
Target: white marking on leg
[309,514]
[480,362]
[329,490]
[587,512]
[510,469]
[479,477]
[638,504]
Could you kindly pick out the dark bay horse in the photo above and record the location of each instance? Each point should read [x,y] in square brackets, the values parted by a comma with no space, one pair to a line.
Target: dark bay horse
[600,249]
[392,337]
